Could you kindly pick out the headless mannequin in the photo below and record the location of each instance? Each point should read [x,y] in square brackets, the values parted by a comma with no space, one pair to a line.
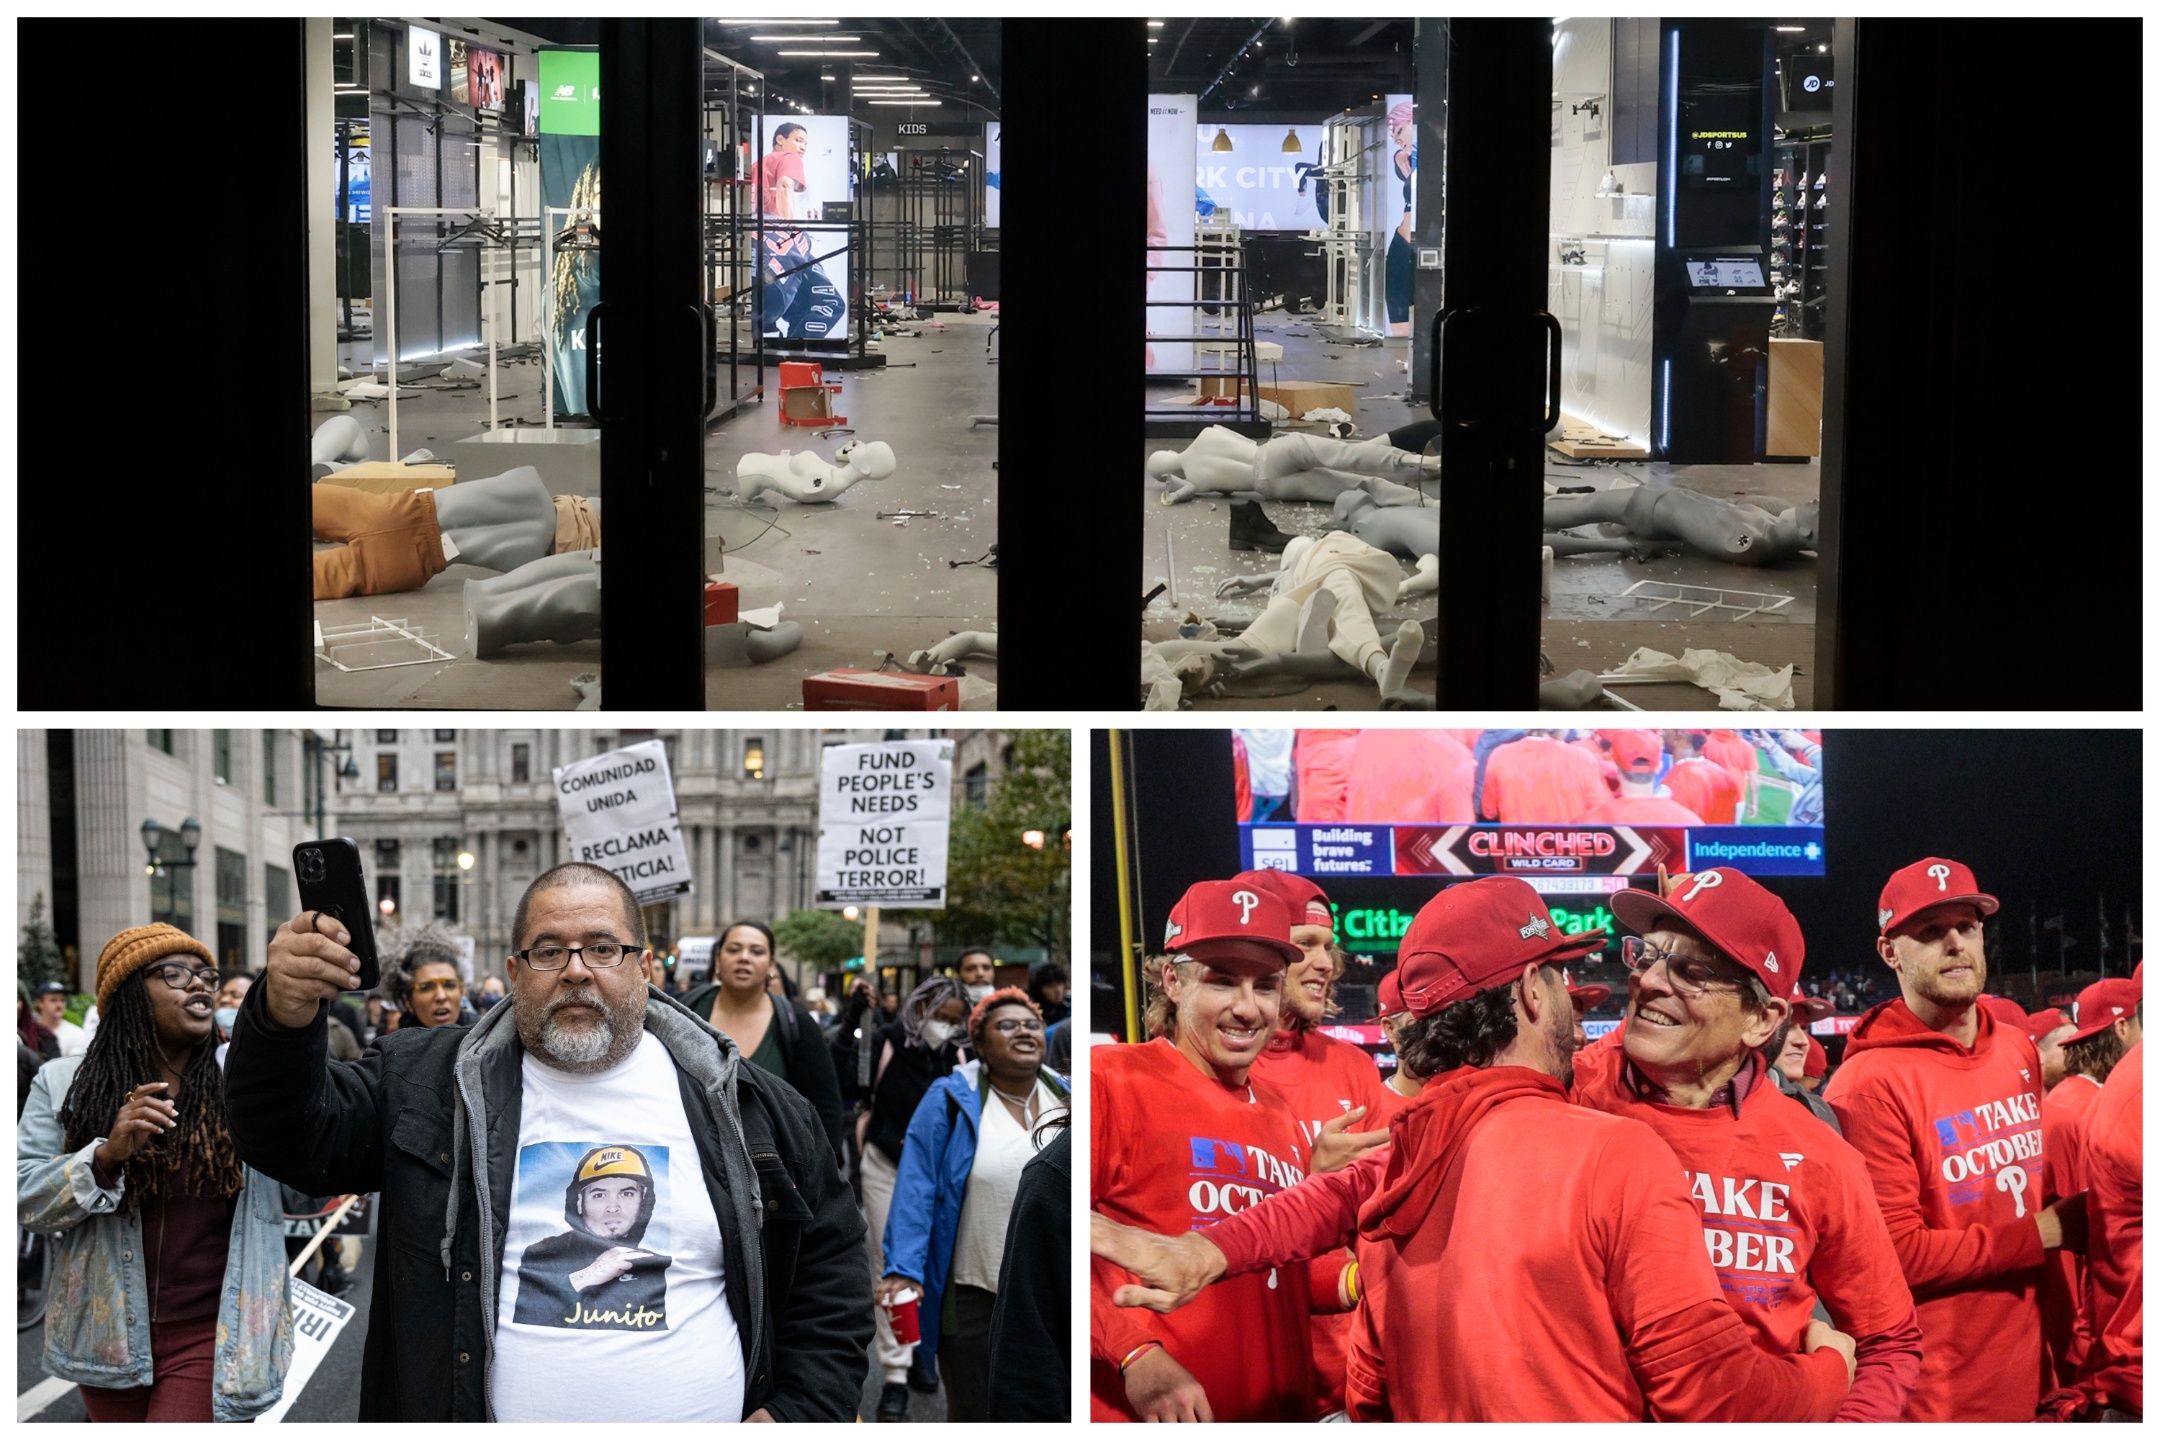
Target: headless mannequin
[339,441]
[395,542]
[955,647]
[1288,467]
[1413,533]
[501,522]
[1753,530]
[556,598]
[806,477]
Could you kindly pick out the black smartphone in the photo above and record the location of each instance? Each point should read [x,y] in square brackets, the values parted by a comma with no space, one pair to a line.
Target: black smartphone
[331,882]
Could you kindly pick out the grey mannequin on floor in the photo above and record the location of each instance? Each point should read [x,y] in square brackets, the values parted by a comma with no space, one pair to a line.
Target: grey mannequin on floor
[557,599]
[1752,530]
[502,522]
[1289,467]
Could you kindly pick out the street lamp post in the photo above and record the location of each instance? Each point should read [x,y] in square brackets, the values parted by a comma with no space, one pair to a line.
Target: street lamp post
[153,835]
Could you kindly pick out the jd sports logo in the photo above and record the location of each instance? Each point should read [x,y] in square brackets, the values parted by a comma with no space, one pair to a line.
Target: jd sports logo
[1537,929]
[1812,84]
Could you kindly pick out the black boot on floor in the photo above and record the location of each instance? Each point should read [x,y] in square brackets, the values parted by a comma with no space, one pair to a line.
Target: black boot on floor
[892,1404]
[922,1375]
[1250,528]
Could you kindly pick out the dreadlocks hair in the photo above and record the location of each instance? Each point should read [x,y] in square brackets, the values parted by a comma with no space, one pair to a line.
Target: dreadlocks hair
[2096,1055]
[1469,1032]
[123,1054]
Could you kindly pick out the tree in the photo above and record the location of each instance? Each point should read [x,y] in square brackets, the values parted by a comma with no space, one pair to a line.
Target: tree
[998,888]
[820,939]
[41,959]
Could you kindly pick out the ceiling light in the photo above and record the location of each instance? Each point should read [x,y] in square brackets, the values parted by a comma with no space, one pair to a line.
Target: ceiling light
[798,39]
[903,102]
[976,79]
[1822,49]
[1222,140]
[342,35]
[779,22]
[1291,145]
[1155,24]
[833,54]
[1792,29]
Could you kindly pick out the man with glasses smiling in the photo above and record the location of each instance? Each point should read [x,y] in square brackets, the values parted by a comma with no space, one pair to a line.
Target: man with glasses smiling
[1788,1213]
[1943,1101]
[746,1251]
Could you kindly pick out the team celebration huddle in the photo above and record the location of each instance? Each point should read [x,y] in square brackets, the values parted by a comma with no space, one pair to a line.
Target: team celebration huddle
[1668,1223]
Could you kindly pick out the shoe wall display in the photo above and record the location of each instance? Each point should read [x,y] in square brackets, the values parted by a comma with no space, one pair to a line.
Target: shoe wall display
[1799,226]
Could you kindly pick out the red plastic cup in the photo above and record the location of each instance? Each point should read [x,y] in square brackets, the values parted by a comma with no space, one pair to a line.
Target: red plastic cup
[904,1312]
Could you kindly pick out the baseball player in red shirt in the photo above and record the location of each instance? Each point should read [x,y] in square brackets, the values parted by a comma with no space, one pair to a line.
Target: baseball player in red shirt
[1524,1258]
[1180,1139]
[2114,1380]
[1726,748]
[1540,780]
[1393,1017]
[1788,1214]
[1323,774]
[1700,783]
[2047,1028]
[1943,1102]
[1638,753]
[1410,777]
[2106,1027]
[1333,1089]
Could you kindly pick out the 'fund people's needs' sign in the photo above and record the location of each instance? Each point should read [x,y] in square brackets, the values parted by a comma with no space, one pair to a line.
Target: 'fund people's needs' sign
[883,812]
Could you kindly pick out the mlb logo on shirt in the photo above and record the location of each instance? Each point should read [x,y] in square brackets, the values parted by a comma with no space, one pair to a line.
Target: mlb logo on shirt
[1206,1151]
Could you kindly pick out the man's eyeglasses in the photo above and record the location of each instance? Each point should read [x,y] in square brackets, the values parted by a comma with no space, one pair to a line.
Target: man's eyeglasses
[180,975]
[1029,1026]
[1688,976]
[603,955]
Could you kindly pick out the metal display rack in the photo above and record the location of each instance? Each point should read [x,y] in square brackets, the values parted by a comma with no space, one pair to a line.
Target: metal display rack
[731,120]
[1220,328]
[936,223]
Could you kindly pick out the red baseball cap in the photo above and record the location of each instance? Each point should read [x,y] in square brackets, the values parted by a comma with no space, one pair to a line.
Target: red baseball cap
[1817,1063]
[1588,997]
[1923,885]
[1814,1006]
[1307,902]
[2040,1022]
[2101,1004]
[1391,1002]
[1232,926]
[1473,935]
[1636,752]
[2006,1010]
[1735,915]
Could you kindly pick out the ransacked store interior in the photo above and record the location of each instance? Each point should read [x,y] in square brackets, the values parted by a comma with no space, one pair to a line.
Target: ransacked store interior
[847,331]
[1296,291]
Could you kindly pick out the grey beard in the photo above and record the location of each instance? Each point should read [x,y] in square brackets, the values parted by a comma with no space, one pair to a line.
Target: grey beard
[582,1052]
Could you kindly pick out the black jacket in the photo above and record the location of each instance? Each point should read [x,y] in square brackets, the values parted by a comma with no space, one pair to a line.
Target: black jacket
[402,1122]
[908,1076]
[802,1049]
[1031,1328]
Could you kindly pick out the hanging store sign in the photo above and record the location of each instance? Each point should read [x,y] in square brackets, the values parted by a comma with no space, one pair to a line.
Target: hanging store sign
[618,812]
[423,57]
[884,813]
[569,92]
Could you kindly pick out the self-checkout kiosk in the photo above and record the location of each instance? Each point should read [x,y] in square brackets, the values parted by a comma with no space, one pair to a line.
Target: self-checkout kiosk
[1710,340]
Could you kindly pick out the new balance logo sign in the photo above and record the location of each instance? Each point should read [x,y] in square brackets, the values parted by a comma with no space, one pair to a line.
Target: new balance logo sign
[1790,1158]
[1538,928]
[566,92]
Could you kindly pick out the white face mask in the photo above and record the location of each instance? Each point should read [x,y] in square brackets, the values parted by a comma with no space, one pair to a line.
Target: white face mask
[936,1032]
[976,993]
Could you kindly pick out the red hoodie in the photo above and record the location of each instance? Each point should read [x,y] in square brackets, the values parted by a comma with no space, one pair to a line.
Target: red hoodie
[1323,775]
[1952,1140]
[1527,1259]
[1410,777]
[2115,1212]
[1321,1079]
[1788,1214]
[2065,1325]
[1172,1150]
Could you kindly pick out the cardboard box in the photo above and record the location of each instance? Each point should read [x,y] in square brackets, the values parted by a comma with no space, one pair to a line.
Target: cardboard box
[1296,396]
[879,690]
[723,602]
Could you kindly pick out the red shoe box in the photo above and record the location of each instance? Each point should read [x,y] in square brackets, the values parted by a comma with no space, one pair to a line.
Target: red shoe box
[722,602]
[879,690]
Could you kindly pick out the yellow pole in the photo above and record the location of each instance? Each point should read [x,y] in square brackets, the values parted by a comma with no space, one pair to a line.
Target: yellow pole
[1127,951]
[869,946]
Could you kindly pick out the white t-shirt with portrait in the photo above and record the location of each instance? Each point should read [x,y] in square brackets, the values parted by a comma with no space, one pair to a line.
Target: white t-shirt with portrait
[613,1301]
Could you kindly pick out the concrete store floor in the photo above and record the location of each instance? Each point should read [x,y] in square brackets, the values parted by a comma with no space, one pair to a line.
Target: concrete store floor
[1588,625]
[857,583]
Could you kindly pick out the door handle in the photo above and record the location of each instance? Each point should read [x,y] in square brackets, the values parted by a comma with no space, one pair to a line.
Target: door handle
[1552,371]
[592,363]
[1478,393]
[708,327]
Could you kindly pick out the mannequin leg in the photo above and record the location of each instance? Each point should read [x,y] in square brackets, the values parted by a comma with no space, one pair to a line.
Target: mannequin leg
[1286,454]
[339,441]
[501,522]
[554,599]
[764,645]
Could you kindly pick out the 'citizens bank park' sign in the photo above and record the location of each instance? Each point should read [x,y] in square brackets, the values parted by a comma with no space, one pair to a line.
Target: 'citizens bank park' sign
[1341,849]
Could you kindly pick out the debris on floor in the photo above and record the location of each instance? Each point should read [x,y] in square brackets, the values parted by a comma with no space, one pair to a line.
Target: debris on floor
[1738,684]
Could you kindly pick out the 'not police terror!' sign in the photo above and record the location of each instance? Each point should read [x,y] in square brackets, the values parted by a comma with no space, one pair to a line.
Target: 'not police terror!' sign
[618,812]
[883,813]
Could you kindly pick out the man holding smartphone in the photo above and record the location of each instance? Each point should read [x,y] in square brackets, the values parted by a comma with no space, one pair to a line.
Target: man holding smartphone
[722,1239]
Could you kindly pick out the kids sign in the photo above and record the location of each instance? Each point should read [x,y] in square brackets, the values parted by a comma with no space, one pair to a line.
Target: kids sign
[618,812]
[883,810]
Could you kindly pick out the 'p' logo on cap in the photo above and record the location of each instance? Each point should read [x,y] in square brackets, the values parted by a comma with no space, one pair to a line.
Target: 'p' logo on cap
[1245,900]
[1707,880]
